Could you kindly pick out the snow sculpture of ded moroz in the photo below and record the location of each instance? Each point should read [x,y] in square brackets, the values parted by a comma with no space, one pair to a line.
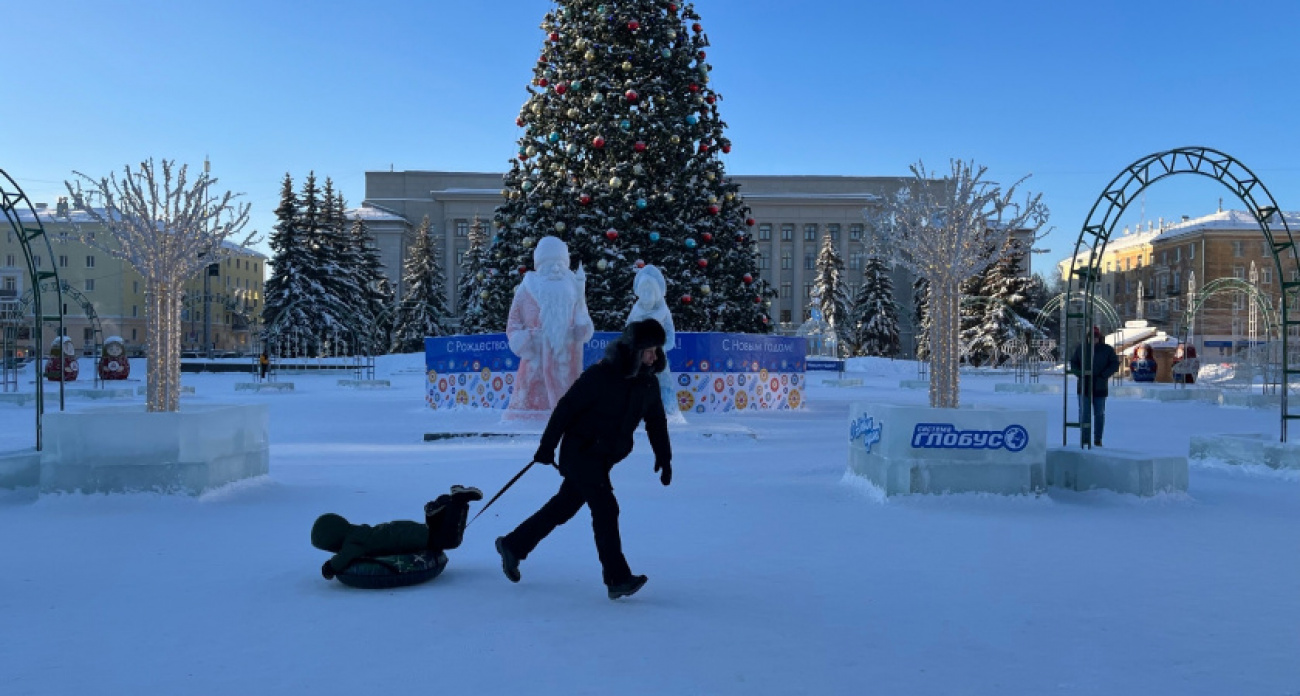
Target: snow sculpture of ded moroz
[547,327]
[650,289]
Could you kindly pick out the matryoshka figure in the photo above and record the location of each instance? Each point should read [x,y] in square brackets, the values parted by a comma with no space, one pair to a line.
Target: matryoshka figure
[113,363]
[62,365]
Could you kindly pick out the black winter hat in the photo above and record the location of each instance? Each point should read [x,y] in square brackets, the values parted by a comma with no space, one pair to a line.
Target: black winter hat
[329,531]
[646,333]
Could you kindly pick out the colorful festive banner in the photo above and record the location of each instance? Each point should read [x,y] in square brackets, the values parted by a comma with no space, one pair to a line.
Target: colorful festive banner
[714,372]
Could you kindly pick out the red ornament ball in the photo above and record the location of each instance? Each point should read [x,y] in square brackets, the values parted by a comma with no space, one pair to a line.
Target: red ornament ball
[747,278]
[726,148]
[703,263]
[710,99]
[694,88]
[519,121]
[713,210]
[611,234]
[697,28]
[749,221]
[584,199]
[672,7]
[758,300]
[523,157]
[700,55]
[633,25]
[640,263]
[542,82]
[630,95]
[555,36]
[707,236]
[598,142]
[704,147]
[686,299]
[561,88]
[639,146]
[523,270]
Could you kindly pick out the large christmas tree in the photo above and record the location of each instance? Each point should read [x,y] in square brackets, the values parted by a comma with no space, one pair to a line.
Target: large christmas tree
[620,159]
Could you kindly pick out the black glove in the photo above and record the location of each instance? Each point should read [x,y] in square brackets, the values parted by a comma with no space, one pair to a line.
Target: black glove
[665,470]
[327,570]
[544,457]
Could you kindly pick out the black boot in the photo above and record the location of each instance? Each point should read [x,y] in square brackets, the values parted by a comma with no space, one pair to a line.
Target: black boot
[465,494]
[509,563]
[628,587]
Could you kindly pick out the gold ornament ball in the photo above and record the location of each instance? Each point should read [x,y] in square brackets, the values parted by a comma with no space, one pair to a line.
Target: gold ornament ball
[547,204]
[674,140]
[705,289]
[713,200]
[615,182]
[483,295]
[602,264]
[574,113]
[559,227]
[730,196]
[710,176]
[528,242]
[589,55]
[531,150]
[627,65]
[668,198]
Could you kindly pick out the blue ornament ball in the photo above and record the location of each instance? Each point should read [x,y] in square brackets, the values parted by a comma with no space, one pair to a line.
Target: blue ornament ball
[523,150]
[690,243]
[640,204]
[691,119]
[625,124]
[553,137]
[654,236]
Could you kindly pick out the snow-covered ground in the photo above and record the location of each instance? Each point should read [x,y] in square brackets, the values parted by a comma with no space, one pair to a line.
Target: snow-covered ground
[770,572]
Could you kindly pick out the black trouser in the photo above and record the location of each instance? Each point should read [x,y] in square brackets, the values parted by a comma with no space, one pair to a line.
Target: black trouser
[594,491]
[447,526]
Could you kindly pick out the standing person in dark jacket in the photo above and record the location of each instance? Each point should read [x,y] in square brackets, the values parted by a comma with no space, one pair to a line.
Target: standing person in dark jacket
[596,418]
[1104,364]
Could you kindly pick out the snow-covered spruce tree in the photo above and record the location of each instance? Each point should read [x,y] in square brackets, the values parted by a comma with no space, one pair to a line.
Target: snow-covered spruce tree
[338,303]
[168,230]
[620,159]
[471,289]
[829,284]
[287,310]
[373,307]
[423,308]
[946,231]
[1008,312]
[921,317]
[872,328]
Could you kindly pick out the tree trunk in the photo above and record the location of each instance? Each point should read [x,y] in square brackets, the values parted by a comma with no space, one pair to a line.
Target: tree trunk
[945,327]
[163,327]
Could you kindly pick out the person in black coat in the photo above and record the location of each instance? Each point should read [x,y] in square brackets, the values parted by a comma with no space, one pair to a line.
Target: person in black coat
[1104,365]
[596,418]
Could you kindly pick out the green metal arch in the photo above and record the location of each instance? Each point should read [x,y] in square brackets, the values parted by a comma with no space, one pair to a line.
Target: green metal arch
[1220,286]
[1125,188]
[15,205]
[63,287]
[1055,304]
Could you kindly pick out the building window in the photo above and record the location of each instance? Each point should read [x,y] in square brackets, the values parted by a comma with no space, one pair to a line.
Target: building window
[63,260]
[808,262]
[1263,248]
[855,233]
[785,316]
[1265,276]
[787,232]
[90,285]
[1178,254]
[1239,248]
[88,335]
[764,262]
[1164,258]
[135,311]
[133,334]
[1128,264]
[462,228]
[786,289]
[1139,261]
[135,286]
[855,261]
[1191,251]
[810,232]
[460,258]
[807,290]
[90,262]
[1239,272]
[833,230]
[765,231]
[787,262]
[11,284]
[10,260]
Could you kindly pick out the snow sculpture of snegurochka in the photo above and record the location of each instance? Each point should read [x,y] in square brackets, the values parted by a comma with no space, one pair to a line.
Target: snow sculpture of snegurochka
[650,289]
[547,327]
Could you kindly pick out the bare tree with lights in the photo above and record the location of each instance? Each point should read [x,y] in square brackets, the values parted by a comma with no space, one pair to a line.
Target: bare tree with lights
[168,229]
[946,231]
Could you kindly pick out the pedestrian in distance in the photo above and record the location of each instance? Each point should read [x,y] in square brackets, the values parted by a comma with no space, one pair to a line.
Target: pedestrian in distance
[1092,396]
[593,425]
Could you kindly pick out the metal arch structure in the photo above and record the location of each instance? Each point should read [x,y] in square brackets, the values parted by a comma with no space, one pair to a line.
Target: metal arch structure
[358,341]
[1110,315]
[1085,263]
[65,289]
[1220,286]
[16,206]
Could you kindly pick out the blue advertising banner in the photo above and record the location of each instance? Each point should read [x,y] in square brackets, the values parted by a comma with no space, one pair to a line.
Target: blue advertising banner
[714,372]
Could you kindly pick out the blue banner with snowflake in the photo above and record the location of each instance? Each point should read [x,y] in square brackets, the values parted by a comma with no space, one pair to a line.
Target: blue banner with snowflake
[712,372]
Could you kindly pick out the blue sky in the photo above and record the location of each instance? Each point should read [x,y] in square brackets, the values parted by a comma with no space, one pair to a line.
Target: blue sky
[1068,92]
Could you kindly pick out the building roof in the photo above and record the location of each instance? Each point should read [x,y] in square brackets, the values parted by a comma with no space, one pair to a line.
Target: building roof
[1225,220]
[374,214]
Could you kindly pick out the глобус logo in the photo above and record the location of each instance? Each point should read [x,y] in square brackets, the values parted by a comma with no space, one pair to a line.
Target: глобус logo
[946,436]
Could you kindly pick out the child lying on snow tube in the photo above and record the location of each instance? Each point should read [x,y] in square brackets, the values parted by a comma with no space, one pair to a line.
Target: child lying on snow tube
[394,554]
